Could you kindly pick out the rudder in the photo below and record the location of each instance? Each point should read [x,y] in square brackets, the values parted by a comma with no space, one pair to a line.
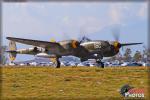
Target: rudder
[12,50]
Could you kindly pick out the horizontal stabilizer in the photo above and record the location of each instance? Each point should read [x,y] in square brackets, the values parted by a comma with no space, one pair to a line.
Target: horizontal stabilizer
[11,51]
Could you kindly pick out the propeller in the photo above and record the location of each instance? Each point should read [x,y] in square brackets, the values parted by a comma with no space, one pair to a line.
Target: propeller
[81,38]
[118,45]
[76,43]
[116,34]
[84,39]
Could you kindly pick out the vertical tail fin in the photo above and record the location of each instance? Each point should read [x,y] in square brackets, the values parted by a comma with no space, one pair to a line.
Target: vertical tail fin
[12,46]
[12,50]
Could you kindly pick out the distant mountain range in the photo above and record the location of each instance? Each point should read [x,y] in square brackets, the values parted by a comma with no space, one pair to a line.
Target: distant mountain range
[46,60]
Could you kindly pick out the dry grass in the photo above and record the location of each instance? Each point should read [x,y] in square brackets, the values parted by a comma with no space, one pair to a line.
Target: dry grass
[70,83]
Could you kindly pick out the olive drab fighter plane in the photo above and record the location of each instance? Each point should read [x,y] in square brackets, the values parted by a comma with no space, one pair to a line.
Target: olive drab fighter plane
[91,49]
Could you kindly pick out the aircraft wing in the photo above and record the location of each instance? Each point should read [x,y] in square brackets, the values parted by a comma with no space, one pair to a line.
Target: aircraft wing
[38,43]
[128,44]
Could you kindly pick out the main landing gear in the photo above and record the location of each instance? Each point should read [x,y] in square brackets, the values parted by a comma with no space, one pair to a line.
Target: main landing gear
[99,62]
[56,62]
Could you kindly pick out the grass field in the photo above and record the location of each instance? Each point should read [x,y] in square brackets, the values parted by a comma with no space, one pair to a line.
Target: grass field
[70,83]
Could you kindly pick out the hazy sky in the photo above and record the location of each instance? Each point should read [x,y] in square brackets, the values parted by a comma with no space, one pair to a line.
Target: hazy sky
[64,20]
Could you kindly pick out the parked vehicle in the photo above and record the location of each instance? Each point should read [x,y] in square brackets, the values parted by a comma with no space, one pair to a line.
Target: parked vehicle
[134,64]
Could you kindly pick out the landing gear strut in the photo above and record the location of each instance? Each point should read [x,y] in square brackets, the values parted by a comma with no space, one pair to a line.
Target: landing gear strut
[56,62]
[99,62]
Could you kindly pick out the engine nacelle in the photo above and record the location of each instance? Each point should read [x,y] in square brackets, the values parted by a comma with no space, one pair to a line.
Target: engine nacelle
[70,44]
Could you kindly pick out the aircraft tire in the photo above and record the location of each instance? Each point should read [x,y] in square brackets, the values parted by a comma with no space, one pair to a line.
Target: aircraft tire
[101,64]
[58,64]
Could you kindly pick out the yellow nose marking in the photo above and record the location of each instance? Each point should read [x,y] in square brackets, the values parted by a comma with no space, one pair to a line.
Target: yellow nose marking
[116,46]
[52,40]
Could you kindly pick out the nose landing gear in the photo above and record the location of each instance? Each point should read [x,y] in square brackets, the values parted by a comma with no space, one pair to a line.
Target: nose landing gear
[99,62]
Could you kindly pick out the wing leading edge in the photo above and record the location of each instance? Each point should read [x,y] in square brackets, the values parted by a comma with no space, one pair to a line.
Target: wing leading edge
[43,44]
[128,44]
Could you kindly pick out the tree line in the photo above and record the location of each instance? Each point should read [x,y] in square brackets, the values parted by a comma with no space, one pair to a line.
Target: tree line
[129,56]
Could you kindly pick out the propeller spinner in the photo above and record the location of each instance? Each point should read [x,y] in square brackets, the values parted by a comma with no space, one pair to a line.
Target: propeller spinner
[118,45]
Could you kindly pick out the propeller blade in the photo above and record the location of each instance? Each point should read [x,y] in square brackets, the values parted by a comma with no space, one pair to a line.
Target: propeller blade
[84,39]
[66,36]
[128,44]
[82,36]
[116,33]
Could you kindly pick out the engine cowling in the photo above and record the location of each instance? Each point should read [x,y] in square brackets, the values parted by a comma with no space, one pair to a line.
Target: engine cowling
[70,44]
